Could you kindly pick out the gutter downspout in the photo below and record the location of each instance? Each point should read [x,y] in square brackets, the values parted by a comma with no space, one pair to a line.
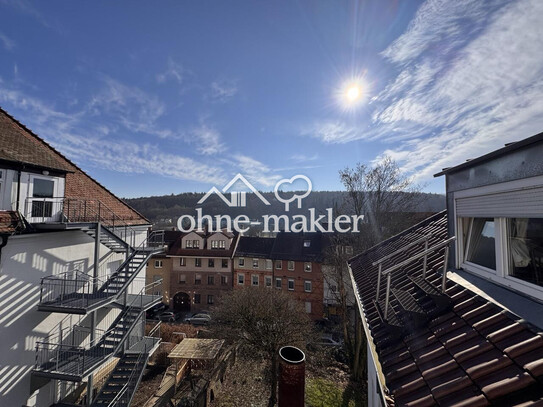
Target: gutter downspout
[18,189]
[369,339]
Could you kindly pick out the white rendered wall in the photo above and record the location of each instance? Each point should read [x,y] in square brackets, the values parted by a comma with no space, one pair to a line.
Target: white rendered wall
[25,260]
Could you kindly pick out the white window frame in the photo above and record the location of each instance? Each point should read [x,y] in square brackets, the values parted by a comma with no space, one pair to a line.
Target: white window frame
[289,263]
[280,263]
[222,244]
[291,280]
[308,307]
[182,261]
[241,279]
[188,244]
[255,261]
[253,280]
[280,281]
[268,281]
[158,264]
[269,264]
[214,244]
[241,262]
[182,279]
[308,282]
[306,268]
[501,275]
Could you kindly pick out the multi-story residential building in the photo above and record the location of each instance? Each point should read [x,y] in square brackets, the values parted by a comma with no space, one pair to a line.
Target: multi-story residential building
[201,269]
[452,307]
[72,296]
[291,262]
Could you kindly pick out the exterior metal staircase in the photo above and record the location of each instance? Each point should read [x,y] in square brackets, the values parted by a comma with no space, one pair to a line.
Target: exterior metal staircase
[108,238]
[71,360]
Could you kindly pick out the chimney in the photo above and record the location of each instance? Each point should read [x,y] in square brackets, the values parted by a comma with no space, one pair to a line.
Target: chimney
[291,377]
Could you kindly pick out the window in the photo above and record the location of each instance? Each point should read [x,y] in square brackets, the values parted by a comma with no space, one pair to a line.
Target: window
[182,278]
[307,267]
[211,262]
[210,299]
[198,262]
[307,243]
[224,280]
[307,286]
[290,265]
[210,280]
[269,264]
[222,244]
[308,307]
[278,264]
[241,279]
[224,263]
[182,261]
[42,189]
[255,263]
[241,262]
[291,284]
[278,283]
[197,298]
[481,243]
[268,281]
[188,244]
[158,264]
[196,244]
[254,280]
[214,244]
[525,243]
[348,250]
[198,279]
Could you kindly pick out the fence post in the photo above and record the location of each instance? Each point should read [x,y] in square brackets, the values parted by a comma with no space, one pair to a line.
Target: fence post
[425,259]
[379,281]
[445,267]
[387,295]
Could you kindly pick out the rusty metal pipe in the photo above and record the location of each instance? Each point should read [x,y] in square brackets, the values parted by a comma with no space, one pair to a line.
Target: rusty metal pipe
[291,377]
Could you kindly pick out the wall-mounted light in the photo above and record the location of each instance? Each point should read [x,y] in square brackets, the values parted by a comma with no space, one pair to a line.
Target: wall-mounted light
[45,172]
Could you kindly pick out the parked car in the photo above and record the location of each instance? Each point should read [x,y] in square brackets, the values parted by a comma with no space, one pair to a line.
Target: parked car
[169,316]
[199,319]
[155,311]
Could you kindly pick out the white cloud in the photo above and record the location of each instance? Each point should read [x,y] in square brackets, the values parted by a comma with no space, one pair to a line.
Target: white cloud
[304,157]
[256,171]
[6,42]
[481,89]
[222,90]
[174,71]
[334,132]
[207,140]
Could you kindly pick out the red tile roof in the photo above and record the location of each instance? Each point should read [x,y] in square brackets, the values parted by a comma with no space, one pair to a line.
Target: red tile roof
[472,353]
[10,222]
[19,145]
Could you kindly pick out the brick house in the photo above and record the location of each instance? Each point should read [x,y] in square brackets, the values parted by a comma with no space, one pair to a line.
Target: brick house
[290,262]
[201,269]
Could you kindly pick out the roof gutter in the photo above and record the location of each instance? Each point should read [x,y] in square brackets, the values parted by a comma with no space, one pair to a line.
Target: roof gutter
[369,339]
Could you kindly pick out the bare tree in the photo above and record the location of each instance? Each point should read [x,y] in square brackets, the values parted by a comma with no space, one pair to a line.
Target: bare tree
[380,193]
[262,320]
[386,198]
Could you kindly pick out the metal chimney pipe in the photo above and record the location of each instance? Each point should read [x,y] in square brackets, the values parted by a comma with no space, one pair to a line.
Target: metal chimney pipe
[291,377]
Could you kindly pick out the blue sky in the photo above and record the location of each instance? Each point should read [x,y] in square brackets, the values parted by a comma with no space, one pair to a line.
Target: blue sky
[164,97]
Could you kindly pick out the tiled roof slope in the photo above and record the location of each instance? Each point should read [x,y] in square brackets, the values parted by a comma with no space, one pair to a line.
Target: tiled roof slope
[10,222]
[473,353]
[20,145]
[252,246]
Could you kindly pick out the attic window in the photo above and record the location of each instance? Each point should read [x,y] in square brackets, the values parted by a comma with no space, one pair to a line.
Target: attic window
[307,243]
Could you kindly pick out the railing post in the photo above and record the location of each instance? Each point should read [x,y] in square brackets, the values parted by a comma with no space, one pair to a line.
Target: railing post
[379,281]
[445,267]
[425,259]
[387,295]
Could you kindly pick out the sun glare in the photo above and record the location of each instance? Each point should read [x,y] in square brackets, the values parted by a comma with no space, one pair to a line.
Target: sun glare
[352,93]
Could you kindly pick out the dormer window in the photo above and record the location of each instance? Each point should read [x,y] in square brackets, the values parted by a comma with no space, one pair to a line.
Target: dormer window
[307,243]
[214,244]
[188,244]
[222,244]
[196,244]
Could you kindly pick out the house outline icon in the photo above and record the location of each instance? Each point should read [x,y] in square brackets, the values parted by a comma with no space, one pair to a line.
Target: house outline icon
[237,199]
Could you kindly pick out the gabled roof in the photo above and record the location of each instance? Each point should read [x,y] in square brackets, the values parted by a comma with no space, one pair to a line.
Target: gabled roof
[20,146]
[471,353]
[10,222]
[252,246]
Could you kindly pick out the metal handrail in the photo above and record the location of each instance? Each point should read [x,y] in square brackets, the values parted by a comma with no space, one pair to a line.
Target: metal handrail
[424,254]
[68,285]
[402,249]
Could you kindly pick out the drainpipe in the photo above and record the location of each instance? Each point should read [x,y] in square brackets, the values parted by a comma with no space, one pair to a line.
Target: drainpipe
[291,377]
[18,189]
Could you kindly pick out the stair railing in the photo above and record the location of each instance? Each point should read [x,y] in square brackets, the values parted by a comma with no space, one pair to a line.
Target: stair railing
[58,287]
[423,254]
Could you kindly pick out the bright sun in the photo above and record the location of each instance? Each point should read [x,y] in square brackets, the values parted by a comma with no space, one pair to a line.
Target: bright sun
[353,92]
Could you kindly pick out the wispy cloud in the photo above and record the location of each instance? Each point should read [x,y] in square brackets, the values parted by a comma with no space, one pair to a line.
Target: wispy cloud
[256,171]
[334,132]
[222,90]
[6,42]
[304,157]
[174,71]
[78,137]
[206,139]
